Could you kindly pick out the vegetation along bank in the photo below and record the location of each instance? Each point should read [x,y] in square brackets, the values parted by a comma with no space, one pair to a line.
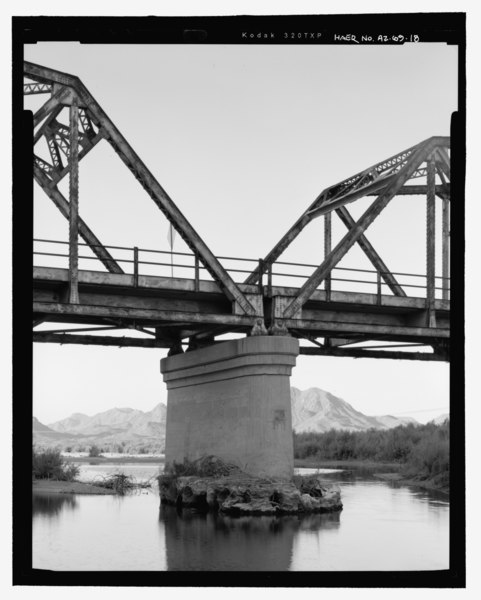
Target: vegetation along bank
[421,452]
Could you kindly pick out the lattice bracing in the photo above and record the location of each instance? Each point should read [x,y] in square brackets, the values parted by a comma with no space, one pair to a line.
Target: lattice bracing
[36,88]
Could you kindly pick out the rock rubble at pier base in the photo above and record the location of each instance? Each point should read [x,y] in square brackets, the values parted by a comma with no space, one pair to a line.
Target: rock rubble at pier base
[242,494]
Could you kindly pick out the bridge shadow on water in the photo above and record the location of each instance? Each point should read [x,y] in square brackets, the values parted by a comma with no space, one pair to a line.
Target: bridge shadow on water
[211,541]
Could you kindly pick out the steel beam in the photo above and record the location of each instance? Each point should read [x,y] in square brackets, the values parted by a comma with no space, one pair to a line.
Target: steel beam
[54,150]
[183,290]
[357,353]
[46,124]
[372,255]
[73,204]
[51,104]
[445,248]
[140,314]
[431,242]
[124,341]
[337,342]
[374,331]
[83,329]
[444,162]
[99,340]
[46,75]
[327,249]
[91,313]
[279,248]
[36,88]
[92,142]
[418,190]
[374,188]
[86,233]
[445,236]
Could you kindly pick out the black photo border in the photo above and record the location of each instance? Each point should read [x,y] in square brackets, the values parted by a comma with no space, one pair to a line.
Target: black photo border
[430,27]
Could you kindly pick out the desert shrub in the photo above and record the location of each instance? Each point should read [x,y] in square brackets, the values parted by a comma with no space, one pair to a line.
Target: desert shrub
[430,457]
[70,471]
[422,449]
[121,483]
[94,451]
[49,464]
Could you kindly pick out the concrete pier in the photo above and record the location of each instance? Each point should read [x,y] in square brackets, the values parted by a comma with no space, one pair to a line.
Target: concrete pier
[232,400]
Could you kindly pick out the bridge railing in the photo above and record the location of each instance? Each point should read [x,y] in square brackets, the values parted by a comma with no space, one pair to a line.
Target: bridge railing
[184,265]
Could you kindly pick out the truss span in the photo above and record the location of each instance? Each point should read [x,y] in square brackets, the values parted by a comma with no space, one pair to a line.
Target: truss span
[213,299]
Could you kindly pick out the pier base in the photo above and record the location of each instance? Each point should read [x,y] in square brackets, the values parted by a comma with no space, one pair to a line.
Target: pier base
[232,400]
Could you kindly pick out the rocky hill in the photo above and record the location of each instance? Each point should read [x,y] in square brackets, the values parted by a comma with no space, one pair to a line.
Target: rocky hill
[319,411]
[37,426]
[114,430]
[440,420]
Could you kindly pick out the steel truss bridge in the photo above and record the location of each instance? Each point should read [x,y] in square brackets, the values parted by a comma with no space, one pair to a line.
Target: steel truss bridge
[373,313]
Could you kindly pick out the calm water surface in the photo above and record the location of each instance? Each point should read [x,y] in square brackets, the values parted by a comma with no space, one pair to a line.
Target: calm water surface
[382,527]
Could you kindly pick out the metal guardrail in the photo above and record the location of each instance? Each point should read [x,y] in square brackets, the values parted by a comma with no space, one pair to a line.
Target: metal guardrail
[266,270]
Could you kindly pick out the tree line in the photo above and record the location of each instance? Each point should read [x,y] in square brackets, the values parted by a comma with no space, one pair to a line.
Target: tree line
[423,450]
[139,447]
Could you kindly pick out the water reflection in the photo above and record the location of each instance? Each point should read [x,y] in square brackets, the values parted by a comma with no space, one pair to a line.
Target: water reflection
[383,526]
[209,541]
[367,476]
[51,505]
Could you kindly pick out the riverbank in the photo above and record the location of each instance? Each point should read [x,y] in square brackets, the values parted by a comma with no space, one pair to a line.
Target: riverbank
[427,484]
[393,473]
[49,486]
[305,463]
[120,459]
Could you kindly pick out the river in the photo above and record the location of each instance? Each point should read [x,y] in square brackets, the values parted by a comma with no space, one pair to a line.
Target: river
[382,527]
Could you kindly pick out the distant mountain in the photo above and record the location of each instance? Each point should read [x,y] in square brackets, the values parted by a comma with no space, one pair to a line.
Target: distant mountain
[37,426]
[116,422]
[126,427]
[441,419]
[319,411]
[389,421]
[71,423]
[44,436]
[312,410]
[115,419]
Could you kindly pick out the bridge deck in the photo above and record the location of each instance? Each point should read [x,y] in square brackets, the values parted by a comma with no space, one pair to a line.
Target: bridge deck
[151,301]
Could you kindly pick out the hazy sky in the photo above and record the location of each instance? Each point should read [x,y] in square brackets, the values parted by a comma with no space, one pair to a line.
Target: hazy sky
[243,138]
